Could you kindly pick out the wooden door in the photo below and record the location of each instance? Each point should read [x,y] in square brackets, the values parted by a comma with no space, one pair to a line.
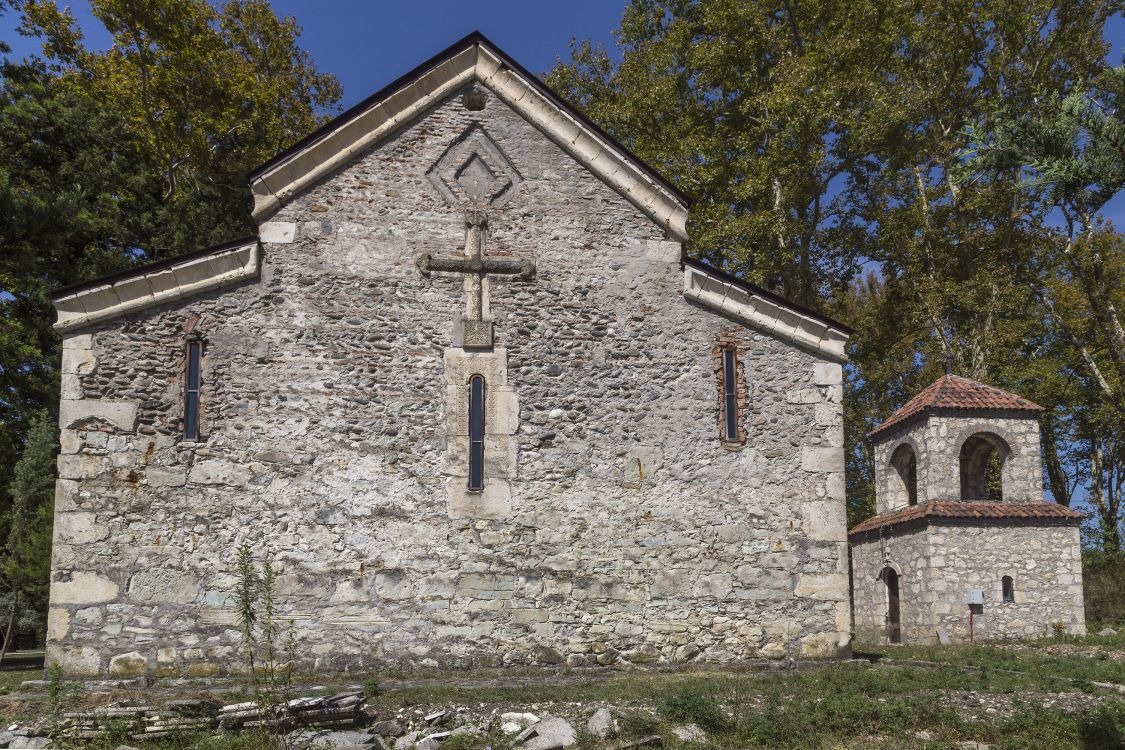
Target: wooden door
[894,627]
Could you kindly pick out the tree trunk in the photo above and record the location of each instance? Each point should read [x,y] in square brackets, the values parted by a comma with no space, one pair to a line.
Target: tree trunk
[12,611]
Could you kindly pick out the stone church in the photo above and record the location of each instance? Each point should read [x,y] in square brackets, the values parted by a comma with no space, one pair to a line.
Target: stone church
[470,397]
[963,546]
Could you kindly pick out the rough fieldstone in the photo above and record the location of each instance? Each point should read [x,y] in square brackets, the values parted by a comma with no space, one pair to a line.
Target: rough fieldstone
[549,733]
[406,741]
[513,722]
[132,664]
[690,733]
[162,586]
[601,724]
[1106,632]
[388,728]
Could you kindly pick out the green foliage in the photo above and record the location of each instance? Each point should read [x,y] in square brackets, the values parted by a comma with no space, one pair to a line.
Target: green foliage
[255,602]
[637,724]
[130,154]
[830,148]
[26,566]
[693,703]
[371,687]
[1103,580]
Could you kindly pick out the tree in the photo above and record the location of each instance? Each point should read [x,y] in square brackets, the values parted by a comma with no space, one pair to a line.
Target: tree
[1069,158]
[130,154]
[77,199]
[825,142]
[208,92]
[27,562]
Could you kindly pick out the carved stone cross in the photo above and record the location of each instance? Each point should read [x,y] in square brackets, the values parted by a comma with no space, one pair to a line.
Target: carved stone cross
[476,331]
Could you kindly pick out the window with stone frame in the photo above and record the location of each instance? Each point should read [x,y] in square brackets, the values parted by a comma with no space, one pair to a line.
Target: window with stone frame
[476,432]
[732,391]
[1009,589]
[193,381]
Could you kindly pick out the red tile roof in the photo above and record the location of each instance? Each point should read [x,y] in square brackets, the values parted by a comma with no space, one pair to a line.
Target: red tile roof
[956,393]
[958,510]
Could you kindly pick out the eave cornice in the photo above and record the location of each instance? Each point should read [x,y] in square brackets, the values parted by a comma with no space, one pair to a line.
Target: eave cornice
[156,284]
[765,312]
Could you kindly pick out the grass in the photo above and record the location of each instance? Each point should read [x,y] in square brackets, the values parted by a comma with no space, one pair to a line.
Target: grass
[842,706]
[1092,664]
[11,679]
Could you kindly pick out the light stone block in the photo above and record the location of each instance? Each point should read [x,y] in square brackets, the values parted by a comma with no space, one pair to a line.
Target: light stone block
[216,471]
[172,476]
[78,361]
[277,232]
[162,586]
[83,588]
[828,373]
[825,460]
[827,587]
[58,623]
[79,528]
[493,502]
[74,413]
[75,661]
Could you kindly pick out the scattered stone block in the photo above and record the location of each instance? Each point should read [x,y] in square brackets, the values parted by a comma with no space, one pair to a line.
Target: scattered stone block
[388,728]
[654,740]
[690,733]
[513,722]
[1105,632]
[943,637]
[30,743]
[406,741]
[601,724]
[549,733]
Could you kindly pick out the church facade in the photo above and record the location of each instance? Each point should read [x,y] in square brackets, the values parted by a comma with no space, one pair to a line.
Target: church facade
[963,546]
[470,398]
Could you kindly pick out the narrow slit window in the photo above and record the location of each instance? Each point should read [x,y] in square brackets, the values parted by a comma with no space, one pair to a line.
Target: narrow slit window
[730,397]
[1009,589]
[191,390]
[476,433]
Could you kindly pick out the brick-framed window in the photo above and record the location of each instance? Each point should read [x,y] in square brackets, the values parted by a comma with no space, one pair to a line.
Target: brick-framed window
[731,391]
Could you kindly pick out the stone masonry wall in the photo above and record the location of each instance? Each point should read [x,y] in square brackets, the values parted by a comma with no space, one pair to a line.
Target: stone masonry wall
[940,563]
[1045,563]
[937,440]
[907,553]
[631,532]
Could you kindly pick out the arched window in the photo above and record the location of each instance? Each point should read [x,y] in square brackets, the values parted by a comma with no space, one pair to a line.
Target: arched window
[905,478]
[982,467]
[1009,589]
[476,432]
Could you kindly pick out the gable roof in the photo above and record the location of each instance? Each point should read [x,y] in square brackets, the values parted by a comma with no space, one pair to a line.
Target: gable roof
[955,393]
[473,58]
[954,510]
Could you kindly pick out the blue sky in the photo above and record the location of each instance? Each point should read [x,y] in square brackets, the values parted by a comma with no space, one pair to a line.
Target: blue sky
[369,43]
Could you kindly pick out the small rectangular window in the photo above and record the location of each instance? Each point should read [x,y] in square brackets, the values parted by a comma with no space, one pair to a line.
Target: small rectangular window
[1009,589]
[191,391]
[730,396]
[476,433]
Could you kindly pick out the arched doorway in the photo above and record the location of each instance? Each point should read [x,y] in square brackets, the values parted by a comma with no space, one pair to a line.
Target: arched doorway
[982,466]
[894,621]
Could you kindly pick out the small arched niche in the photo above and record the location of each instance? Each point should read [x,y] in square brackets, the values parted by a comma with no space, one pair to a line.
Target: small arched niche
[982,468]
[903,479]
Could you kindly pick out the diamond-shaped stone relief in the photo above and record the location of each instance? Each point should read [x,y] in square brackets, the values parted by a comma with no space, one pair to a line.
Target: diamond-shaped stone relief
[475,171]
